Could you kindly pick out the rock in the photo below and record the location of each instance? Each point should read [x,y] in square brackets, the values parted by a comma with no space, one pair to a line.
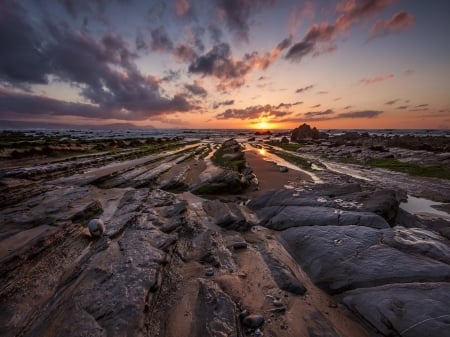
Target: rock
[413,310]
[348,257]
[304,131]
[228,215]
[282,169]
[295,216]
[96,227]
[253,321]
[239,245]
[227,182]
[277,303]
[217,312]
[209,272]
[283,275]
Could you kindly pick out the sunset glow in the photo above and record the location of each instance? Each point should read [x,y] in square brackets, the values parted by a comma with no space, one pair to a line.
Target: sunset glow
[218,64]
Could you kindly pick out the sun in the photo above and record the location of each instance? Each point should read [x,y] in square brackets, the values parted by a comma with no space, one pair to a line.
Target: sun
[263,125]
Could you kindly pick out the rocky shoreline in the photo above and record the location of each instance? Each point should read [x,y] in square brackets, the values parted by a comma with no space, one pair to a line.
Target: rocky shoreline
[209,239]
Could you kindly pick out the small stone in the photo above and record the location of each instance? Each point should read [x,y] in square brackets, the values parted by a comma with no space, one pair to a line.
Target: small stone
[239,245]
[243,314]
[282,169]
[278,310]
[277,303]
[253,321]
[209,272]
[258,333]
[333,305]
[96,227]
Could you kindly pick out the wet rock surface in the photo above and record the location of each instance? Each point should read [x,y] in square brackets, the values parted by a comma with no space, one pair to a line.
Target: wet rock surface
[124,248]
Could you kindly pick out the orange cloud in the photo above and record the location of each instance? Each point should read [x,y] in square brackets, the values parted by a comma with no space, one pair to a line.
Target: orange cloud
[397,23]
[376,79]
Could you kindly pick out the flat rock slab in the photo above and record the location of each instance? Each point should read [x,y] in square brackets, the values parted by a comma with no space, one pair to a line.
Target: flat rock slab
[411,310]
[340,258]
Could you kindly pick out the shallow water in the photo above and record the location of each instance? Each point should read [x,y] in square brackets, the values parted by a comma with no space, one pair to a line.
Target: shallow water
[421,205]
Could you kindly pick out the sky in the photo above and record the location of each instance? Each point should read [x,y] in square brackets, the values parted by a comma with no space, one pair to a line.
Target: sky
[263,64]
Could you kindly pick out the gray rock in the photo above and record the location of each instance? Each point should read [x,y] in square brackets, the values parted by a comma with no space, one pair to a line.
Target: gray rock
[96,227]
[410,310]
[295,216]
[348,257]
[283,275]
[253,321]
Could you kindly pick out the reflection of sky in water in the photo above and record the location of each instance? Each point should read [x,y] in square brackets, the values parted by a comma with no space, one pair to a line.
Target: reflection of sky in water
[420,205]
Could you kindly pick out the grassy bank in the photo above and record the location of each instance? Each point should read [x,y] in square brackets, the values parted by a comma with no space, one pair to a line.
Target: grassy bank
[410,168]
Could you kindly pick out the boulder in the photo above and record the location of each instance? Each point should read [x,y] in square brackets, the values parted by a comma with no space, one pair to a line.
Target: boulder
[341,258]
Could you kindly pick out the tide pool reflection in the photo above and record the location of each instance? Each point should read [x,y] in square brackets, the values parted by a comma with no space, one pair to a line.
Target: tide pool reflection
[262,152]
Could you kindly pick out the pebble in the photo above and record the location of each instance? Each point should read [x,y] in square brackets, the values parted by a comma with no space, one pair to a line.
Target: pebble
[96,227]
[239,245]
[277,303]
[243,314]
[253,321]
[209,272]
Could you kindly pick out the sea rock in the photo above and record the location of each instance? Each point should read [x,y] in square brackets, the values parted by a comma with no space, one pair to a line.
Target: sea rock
[283,275]
[340,258]
[413,310]
[226,182]
[217,312]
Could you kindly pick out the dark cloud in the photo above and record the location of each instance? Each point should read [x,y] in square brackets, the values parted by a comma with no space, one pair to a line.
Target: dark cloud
[422,106]
[102,68]
[403,107]
[160,41]
[171,75]
[285,43]
[196,89]
[397,23]
[219,62]
[184,53]
[376,79]
[308,87]
[237,13]
[360,114]
[141,44]
[287,105]
[21,45]
[348,107]
[216,105]
[319,38]
[327,115]
[257,111]
[318,113]
[315,106]
[215,33]
[392,102]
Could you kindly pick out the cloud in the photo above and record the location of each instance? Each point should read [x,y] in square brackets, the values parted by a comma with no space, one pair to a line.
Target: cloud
[403,107]
[298,14]
[216,105]
[160,41]
[308,87]
[257,111]
[22,46]
[236,14]
[399,21]
[322,93]
[182,7]
[318,113]
[102,68]
[219,62]
[348,107]
[392,102]
[319,38]
[422,106]
[360,114]
[315,106]
[196,89]
[376,79]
